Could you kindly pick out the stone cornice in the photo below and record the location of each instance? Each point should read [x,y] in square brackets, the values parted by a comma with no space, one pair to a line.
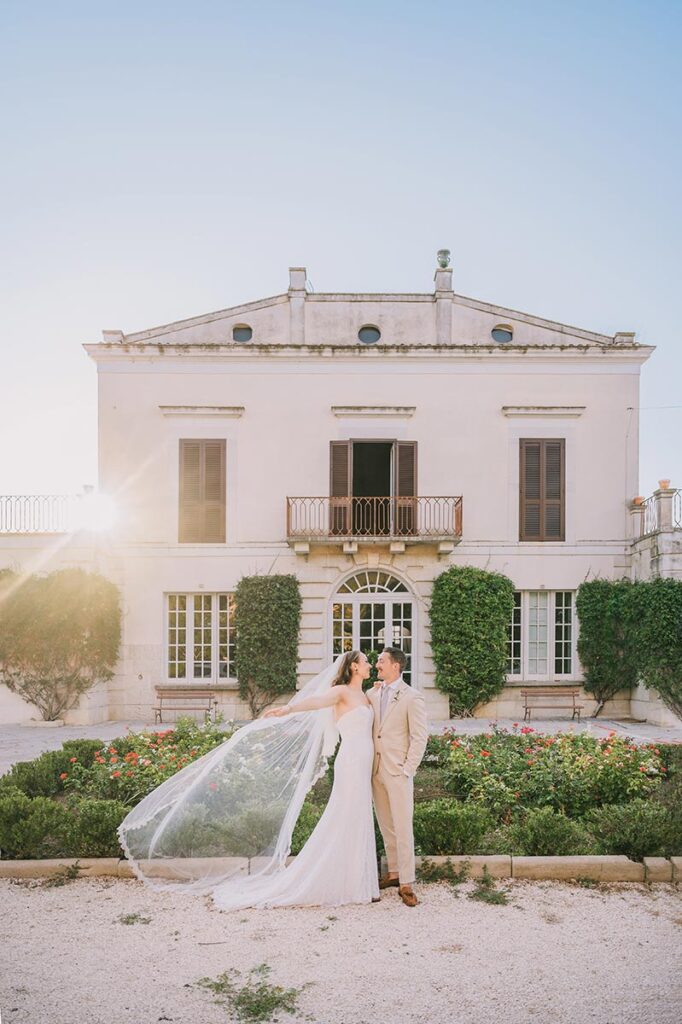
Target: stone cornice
[203,411]
[258,354]
[561,411]
[373,411]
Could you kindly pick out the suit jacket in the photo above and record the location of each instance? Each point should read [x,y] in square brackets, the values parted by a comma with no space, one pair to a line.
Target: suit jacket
[400,740]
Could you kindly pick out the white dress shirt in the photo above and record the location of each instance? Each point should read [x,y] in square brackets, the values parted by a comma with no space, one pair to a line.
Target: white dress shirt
[391,687]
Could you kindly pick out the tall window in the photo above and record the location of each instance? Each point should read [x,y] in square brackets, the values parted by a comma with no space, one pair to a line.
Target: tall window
[542,489]
[202,492]
[541,635]
[201,637]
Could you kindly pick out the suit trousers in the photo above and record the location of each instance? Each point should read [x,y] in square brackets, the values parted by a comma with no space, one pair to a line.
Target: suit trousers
[394,805]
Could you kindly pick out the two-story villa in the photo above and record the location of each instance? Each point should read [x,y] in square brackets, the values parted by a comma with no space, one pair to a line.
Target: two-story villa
[363,442]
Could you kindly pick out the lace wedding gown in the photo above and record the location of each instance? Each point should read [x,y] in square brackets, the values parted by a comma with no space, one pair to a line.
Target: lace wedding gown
[338,863]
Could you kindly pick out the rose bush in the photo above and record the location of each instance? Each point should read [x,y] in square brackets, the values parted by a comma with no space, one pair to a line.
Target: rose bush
[129,768]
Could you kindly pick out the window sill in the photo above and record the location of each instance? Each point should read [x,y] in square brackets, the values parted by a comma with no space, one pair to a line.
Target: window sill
[176,684]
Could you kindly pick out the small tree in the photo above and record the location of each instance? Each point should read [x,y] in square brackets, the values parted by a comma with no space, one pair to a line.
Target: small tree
[268,617]
[470,614]
[657,629]
[606,642]
[59,635]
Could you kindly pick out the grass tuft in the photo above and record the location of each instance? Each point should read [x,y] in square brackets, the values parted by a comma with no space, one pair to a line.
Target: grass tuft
[256,1000]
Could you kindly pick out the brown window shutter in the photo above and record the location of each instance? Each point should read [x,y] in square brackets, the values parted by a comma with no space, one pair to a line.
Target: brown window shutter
[340,475]
[202,492]
[553,509]
[542,489]
[406,487]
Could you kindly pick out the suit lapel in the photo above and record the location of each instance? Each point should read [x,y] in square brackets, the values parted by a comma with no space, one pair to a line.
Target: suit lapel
[395,697]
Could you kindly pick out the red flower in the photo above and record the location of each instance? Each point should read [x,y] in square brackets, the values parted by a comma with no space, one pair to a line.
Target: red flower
[642,767]
[129,774]
[115,775]
[528,750]
[212,785]
[64,775]
[527,729]
[470,755]
[530,762]
[113,760]
[485,753]
[73,759]
[162,767]
[113,750]
[515,725]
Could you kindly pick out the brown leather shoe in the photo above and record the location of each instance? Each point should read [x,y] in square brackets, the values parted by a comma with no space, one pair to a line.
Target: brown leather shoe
[387,883]
[407,896]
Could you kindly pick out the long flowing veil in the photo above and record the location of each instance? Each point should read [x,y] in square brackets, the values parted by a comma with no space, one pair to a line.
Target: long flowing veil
[231,813]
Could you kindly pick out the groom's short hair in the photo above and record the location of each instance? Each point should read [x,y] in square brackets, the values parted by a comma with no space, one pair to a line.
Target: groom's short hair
[398,656]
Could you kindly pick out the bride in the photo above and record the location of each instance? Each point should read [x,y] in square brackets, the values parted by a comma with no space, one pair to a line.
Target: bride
[194,832]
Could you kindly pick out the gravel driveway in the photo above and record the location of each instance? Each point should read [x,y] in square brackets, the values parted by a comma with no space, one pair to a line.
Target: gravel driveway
[556,954]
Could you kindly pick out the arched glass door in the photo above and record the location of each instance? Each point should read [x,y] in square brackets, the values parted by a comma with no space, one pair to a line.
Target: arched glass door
[370,611]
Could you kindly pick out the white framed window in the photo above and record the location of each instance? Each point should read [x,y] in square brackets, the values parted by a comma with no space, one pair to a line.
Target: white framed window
[200,637]
[542,634]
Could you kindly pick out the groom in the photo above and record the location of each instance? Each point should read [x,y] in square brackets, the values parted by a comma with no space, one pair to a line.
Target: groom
[400,735]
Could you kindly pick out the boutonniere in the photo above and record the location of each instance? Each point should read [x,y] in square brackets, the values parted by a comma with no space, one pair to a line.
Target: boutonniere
[396,695]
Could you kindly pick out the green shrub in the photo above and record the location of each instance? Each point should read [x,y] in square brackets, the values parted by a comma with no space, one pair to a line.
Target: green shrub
[33,828]
[544,832]
[59,635]
[39,777]
[84,750]
[267,621]
[93,828]
[641,828]
[606,642]
[307,820]
[470,614]
[657,628]
[446,826]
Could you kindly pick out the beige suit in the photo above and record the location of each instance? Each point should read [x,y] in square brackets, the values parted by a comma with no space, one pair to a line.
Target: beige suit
[399,745]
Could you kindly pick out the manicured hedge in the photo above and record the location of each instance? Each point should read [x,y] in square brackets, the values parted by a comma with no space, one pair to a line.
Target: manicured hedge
[499,792]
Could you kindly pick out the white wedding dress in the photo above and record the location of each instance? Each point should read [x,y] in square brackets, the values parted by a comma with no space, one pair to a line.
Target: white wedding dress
[338,864]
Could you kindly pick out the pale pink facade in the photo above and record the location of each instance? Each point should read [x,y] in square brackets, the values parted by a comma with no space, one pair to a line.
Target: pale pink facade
[437,383]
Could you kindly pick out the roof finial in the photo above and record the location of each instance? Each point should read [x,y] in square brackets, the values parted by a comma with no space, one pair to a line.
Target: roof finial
[443,257]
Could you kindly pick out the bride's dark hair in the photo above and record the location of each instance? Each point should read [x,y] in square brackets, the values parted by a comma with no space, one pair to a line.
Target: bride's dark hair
[344,675]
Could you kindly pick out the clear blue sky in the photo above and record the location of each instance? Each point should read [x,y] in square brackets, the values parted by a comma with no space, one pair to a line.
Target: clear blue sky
[162,160]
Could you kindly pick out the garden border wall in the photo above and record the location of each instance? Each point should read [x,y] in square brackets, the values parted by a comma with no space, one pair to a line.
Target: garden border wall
[611,868]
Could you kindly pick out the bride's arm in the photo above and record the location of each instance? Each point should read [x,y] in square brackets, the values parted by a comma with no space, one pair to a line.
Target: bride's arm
[327,700]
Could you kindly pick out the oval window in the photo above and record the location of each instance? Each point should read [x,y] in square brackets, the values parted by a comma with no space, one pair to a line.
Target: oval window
[369,335]
[242,333]
[502,333]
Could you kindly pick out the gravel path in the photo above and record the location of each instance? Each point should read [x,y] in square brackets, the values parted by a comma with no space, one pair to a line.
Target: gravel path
[556,954]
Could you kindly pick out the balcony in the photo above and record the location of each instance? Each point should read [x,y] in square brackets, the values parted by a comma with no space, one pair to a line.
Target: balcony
[36,513]
[395,521]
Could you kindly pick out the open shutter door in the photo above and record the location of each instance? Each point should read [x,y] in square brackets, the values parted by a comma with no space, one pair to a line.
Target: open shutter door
[190,518]
[405,488]
[553,505]
[340,476]
[214,492]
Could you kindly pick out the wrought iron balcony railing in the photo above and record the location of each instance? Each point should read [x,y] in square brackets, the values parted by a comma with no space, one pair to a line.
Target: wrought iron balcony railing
[36,513]
[392,519]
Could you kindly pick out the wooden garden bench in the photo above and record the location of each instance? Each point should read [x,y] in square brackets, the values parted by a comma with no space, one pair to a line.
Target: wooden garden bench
[192,700]
[561,697]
